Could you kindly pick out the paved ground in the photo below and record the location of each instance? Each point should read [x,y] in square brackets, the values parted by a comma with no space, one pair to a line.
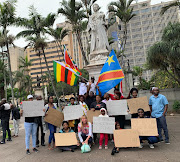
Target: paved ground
[15,150]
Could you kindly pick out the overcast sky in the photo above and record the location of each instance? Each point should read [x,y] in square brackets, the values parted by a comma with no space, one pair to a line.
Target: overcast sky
[46,6]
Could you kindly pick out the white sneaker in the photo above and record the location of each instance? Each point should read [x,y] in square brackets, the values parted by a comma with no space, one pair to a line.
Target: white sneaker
[141,146]
[151,146]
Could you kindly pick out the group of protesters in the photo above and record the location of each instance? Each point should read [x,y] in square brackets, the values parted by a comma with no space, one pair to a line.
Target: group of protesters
[89,101]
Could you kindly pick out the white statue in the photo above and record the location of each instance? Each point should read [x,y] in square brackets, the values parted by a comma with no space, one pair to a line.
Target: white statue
[96,26]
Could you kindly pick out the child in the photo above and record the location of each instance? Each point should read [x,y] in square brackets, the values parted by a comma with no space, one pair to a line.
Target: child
[102,135]
[115,149]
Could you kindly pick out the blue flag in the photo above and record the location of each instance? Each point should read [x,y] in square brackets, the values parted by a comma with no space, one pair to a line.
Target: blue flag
[111,74]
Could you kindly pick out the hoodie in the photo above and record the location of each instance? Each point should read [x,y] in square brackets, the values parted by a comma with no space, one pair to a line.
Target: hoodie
[105,113]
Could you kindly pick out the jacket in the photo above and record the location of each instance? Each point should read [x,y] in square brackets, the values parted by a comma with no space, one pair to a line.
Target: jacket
[5,113]
[15,114]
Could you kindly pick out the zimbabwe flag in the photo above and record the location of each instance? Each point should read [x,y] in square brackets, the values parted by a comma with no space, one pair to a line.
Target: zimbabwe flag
[63,73]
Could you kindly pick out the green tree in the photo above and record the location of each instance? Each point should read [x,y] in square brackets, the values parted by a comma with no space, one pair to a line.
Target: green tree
[138,72]
[175,3]
[165,55]
[74,13]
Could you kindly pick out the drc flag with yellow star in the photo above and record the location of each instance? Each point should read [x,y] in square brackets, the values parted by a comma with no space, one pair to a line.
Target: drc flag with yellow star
[111,74]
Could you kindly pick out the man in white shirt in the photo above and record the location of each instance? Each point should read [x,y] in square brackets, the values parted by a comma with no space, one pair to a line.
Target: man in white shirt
[82,87]
[93,85]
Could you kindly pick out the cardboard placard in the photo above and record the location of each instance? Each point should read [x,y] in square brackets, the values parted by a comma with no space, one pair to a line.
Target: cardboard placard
[126,138]
[136,103]
[54,117]
[91,114]
[103,125]
[117,107]
[65,139]
[73,112]
[145,126]
[33,108]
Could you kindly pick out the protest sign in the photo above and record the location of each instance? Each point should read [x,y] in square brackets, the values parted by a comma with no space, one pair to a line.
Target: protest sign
[54,117]
[126,138]
[145,126]
[33,108]
[136,103]
[117,107]
[73,112]
[91,114]
[103,125]
[65,139]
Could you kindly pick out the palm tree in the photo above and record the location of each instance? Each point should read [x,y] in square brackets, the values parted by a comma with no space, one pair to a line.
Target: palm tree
[7,18]
[124,12]
[74,13]
[87,4]
[25,64]
[172,4]
[58,34]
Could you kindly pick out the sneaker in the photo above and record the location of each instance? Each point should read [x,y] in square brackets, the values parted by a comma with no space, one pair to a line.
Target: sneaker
[112,141]
[37,145]
[43,144]
[113,152]
[141,146]
[2,142]
[167,142]
[9,139]
[28,152]
[35,150]
[151,146]
[100,147]
[161,140]
[106,147]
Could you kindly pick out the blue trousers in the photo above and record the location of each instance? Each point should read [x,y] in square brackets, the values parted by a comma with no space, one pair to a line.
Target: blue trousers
[52,129]
[30,128]
[150,139]
[161,124]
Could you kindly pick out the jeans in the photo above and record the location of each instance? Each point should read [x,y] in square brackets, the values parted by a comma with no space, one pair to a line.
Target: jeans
[42,134]
[150,139]
[30,128]
[16,126]
[5,127]
[102,136]
[84,138]
[161,124]
[67,148]
[52,129]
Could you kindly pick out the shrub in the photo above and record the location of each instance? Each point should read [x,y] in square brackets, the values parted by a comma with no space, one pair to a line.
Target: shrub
[176,105]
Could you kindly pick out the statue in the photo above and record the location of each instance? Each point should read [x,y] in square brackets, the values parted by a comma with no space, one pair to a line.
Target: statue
[97,29]
[38,81]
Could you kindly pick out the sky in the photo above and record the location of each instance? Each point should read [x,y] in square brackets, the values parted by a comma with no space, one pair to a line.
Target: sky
[46,6]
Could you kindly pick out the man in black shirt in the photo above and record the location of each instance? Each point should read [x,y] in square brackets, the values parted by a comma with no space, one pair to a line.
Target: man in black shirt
[98,104]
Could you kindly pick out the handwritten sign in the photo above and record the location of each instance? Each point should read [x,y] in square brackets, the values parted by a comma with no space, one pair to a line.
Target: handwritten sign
[126,138]
[136,103]
[73,112]
[54,117]
[103,125]
[65,139]
[117,107]
[145,126]
[91,114]
[33,108]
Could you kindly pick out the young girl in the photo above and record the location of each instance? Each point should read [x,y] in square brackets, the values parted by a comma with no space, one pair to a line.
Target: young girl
[85,131]
[116,149]
[103,135]
[66,129]
[51,127]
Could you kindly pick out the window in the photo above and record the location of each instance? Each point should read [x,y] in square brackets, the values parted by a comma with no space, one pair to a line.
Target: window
[145,10]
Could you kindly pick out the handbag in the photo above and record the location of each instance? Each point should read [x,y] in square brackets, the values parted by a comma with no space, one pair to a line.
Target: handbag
[85,148]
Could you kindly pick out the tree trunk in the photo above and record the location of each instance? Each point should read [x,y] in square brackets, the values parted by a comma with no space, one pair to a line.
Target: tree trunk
[58,50]
[51,80]
[10,73]
[78,35]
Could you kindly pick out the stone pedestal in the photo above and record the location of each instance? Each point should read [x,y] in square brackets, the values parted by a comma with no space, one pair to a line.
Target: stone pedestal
[38,92]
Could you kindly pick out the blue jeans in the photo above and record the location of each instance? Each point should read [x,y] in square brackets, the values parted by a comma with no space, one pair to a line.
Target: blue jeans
[30,128]
[161,124]
[52,129]
[150,139]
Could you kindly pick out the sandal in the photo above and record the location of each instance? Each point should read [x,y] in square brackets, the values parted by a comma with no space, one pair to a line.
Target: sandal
[106,147]
[100,147]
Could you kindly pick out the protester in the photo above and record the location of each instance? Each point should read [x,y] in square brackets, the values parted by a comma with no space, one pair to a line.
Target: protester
[112,96]
[89,97]
[66,129]
[158,107]
[106,98]
[116,149]
[85,131]
[40,125]
[92,85]
[30,126]
[5,116]
[51,127]
[81,102]
[98,104]
[16,120]
[151,139]
[82,87]
[103,135]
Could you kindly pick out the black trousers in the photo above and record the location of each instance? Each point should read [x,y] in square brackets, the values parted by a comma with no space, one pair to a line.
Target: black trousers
[5,127]
[121,120]
[42,133]
[84,138]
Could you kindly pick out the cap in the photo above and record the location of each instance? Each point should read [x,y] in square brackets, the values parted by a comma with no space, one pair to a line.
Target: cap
[29,96]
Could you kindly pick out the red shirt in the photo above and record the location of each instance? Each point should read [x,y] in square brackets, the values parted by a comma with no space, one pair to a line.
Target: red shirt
[113,97]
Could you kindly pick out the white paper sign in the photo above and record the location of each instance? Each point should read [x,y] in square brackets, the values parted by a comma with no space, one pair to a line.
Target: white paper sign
[103,125]
[117,107]
[73,112]
[33,108]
